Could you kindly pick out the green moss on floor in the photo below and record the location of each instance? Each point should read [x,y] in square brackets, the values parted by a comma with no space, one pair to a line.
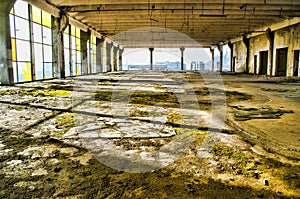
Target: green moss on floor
[37,92]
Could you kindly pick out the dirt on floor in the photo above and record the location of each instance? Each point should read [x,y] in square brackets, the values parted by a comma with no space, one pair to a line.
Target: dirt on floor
[151,135]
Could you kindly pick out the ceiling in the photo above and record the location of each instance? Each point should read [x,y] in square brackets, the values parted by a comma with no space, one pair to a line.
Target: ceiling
[208,22]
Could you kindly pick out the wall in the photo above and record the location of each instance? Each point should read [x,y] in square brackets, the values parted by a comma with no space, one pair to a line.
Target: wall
[257,44]
[287,37]
[240,51]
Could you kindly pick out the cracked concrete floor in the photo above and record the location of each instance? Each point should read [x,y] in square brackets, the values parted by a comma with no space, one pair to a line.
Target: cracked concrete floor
[151,135]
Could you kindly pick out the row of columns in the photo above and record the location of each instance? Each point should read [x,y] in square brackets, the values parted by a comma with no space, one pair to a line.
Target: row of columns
[220,48]
[113,57]
[181,60]
[114,63]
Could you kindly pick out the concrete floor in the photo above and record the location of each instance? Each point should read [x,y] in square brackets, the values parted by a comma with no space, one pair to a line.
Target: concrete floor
[201,135]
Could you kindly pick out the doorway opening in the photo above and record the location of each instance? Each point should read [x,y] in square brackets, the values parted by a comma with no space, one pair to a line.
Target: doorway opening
[281,62]
[255,64]
[296,63]
[263,62]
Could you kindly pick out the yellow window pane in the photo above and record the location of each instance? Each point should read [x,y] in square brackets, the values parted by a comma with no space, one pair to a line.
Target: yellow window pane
[13,48]
[36,15]
[27,72]
[77,32]
[67,30]
[73,31]
[77,44]
[46,19]
[93,40]
[12,11]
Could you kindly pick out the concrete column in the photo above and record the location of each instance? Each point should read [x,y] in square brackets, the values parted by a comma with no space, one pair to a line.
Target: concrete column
[212,51]
[120,59]
[230,45]
[151,58]
[270,36]
[220,48]
[6,70]
[247,44]
[58,27]
[84,37]
[99,55]
[108,58]
[115,58]
[182,60]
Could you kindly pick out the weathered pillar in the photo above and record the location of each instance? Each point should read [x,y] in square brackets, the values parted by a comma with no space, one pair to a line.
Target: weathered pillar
[220,48]
[99,55]
[6,70]
[151,58]
[247,44]
[230,45]
[115,58]
[212,51]
[84,37]
[120,59]
[108,58]
[270,36]
[182,60]
[58,26]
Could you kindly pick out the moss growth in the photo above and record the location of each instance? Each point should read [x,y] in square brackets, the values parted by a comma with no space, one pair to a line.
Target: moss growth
[165,99]
[188,131]
[65,121]
[37,92]
[174,118]
[139,113]
[49,93]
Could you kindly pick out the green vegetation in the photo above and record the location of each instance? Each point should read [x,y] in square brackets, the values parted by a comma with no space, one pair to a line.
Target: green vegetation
[165,99]
[139,113]
[37,92]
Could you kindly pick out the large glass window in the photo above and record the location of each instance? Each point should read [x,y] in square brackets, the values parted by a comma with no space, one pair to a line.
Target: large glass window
[20,40]
[92,54]
[72,51]
[42,40]
[31,38]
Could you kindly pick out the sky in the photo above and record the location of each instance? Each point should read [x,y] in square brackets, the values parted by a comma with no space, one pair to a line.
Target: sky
[141,56]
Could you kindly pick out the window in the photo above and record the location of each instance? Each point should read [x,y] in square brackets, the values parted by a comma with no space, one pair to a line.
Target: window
[20,40]
[92,55]
[42,43]
[72,51]
[31,38]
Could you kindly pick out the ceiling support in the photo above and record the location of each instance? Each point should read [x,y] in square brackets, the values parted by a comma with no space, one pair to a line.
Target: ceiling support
[270,37]
[246,41]
[99,58]
[84,37]
[115,58]
[151,58]
[212,51]
[230,45]
[108,58]
[220,48]
[121,50]
[182,59]
[6,70]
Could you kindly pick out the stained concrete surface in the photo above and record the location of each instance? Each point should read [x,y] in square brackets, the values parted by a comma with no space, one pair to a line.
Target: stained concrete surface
[151,135]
